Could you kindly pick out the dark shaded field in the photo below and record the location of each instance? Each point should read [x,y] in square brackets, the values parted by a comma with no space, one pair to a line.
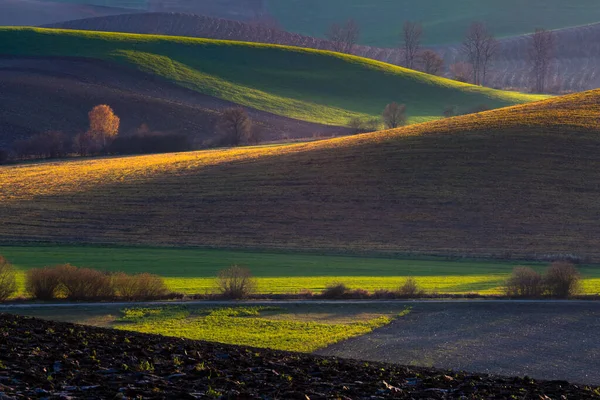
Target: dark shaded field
[512,183]
[41,94]
[55,359]
[544,341]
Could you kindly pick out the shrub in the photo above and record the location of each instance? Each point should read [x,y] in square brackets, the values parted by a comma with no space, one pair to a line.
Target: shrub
[335,291]
[524,282]
[8,279]
[410,288]
[562,279]
[42,283]
[359,294]
[236,282]
[84,283]
[139,287]
[384,294]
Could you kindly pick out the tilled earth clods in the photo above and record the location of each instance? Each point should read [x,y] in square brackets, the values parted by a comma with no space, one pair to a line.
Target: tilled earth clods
[41,359]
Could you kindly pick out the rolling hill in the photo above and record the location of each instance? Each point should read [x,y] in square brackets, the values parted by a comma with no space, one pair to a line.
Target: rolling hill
[516,182]
[444,22]
[575,67]
[309,85]
[63,90]
[40,12]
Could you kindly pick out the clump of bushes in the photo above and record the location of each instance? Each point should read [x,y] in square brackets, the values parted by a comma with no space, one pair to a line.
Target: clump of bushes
[410,288]
[143,286]
[236,283]
[42,283]
[73,283]
[561,280]
[335,290]
[8,279]
[525,282]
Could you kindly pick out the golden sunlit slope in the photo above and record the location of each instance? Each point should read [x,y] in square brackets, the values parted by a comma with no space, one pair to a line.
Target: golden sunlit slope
[523,180]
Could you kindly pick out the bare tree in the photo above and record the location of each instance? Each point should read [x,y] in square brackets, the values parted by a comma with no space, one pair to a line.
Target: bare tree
[343,38]
[480,47]
[412,33]
[430,62]
[235,126]
[541,55]
[394,115]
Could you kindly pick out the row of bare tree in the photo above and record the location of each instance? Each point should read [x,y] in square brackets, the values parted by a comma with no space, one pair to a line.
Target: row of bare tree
[479,48]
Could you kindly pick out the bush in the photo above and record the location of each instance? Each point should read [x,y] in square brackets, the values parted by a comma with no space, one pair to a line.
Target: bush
[524,282]
[410,288]
[8,279]
[42,283]
[335,291]
[236,282]
[139,287]
[562,279]
[84,283]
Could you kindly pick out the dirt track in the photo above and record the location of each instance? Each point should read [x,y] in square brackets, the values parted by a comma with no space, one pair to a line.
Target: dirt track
[62,91]
[545,341]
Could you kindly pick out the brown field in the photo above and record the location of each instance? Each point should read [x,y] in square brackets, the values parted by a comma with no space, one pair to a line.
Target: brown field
[514,182]
[63,90]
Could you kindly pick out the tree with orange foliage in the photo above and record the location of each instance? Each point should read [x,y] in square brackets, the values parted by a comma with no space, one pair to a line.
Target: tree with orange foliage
[104,124]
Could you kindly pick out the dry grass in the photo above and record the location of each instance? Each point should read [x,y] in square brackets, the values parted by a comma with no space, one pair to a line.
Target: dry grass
[518,181]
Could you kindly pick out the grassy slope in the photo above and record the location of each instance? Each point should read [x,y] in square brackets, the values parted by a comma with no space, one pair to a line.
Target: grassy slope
[521,180]
[304,84]
[444,21]
[193,271]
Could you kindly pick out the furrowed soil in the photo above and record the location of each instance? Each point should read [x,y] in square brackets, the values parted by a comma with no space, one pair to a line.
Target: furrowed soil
[55,360]
[512,183]
[544,341]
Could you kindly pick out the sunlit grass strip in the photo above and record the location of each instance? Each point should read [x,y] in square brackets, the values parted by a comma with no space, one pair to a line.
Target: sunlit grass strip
[245,326]
[481,284]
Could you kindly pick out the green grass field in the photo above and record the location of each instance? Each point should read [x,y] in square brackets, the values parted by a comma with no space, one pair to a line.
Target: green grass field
[304,328]
[309,85]
[443,21]
[192,271]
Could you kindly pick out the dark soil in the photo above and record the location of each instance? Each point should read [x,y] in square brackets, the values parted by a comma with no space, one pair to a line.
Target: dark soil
[40,359]
[544,341]
[61,91]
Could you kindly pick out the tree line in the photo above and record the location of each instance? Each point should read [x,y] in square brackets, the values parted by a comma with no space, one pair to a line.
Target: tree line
[234,127]
[478,50]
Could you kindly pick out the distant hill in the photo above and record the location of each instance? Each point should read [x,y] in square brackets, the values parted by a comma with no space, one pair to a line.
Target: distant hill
[444,22]
[576,66]
[515,182]
[309,85]
[41,12]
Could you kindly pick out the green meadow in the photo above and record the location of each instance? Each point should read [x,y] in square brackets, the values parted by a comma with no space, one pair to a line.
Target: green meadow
[310,85]
[193,271]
